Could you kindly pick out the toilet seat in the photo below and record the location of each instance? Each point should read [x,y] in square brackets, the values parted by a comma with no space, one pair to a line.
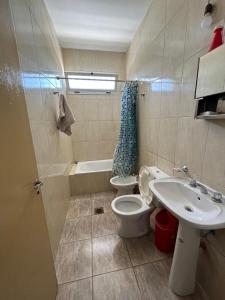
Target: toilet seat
[129,205]
[124,181]
[138,203]
[145,177]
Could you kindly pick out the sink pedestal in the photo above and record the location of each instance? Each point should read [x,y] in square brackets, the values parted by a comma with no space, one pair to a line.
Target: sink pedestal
[183,271]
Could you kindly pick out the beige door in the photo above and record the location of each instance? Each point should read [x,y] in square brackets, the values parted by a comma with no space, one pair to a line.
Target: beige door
[26,263]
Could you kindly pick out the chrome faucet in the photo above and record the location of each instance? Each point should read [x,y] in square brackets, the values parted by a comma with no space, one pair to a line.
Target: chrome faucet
[193,182]
[215,196]
[185,170]
[196,184]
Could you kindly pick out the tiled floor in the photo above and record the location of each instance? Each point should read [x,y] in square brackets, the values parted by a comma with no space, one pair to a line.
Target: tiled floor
[94,263]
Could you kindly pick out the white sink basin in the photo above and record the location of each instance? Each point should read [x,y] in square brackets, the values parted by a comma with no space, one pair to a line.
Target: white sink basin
[195,211]
[189,204]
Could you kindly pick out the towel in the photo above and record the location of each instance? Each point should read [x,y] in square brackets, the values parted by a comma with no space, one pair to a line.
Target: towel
[66,118]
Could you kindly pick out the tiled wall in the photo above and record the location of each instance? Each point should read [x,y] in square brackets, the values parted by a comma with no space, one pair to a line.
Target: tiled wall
[165,50]
[40,59]
[95,133]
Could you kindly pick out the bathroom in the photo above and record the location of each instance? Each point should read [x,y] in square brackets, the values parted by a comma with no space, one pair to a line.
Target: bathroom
[66,232]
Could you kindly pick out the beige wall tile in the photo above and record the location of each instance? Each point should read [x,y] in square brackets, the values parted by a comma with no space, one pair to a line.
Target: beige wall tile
[167,138]
[157,18]
[79,132]
[170,99]
[213,166]
[175,33]
[154,103]
[165,165]
[105,110]
[184,152]
[152,135]
[91,111]
[172,6]
[92,130]
[199,139]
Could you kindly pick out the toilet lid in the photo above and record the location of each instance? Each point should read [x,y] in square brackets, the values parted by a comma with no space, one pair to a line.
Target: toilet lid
[144,178]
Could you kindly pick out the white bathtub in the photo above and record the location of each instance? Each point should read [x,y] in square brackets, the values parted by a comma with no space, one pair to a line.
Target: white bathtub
[91,176]
[94,166]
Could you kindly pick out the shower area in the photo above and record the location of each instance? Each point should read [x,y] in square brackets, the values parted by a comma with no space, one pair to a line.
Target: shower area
[95,133]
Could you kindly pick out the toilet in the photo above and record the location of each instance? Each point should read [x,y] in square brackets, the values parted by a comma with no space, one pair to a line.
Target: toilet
[124,185]
[133,210]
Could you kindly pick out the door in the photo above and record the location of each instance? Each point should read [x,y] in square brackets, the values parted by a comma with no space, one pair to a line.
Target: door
[26,263]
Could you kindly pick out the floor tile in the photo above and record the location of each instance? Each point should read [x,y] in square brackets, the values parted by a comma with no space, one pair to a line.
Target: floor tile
[103,200]
[76,229]
[73,210]
[109,254]
[120,285]
[74,261]
[153,282]
[142,250]
[80,206]
[77,290]
[104,224]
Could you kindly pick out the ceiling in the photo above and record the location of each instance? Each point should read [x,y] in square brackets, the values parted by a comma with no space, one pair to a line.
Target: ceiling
[97,24]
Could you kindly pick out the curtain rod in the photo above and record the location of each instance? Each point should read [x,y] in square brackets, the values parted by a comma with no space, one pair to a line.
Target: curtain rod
[114,80]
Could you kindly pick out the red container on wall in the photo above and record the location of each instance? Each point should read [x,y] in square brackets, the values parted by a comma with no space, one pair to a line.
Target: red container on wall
[217,39]
[165,231]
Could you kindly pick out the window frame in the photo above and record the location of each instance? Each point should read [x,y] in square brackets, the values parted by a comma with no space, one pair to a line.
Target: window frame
[90,91]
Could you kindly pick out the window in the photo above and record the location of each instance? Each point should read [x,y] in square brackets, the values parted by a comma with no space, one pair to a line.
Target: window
[90,83]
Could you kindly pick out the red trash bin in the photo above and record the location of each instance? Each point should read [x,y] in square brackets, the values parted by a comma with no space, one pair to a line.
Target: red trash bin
[165,231]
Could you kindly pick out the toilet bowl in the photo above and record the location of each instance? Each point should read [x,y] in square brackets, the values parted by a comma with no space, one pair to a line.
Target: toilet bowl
[133,211]
[124,185]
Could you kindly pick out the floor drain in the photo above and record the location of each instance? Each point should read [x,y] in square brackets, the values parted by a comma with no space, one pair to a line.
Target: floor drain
[99,210]
[188,208]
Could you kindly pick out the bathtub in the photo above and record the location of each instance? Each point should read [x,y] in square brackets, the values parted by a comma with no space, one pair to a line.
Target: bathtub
[91,176]
[94,166]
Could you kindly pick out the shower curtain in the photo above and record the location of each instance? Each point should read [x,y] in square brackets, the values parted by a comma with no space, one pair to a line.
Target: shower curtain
[125,155]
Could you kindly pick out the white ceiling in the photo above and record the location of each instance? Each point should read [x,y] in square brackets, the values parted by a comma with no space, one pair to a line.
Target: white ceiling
[96,24]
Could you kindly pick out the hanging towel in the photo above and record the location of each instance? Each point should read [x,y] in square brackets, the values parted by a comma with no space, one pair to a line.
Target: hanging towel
[66,118]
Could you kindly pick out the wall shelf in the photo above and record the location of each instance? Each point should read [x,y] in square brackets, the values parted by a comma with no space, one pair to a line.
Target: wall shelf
[212,117]
[210,85]
[207,107]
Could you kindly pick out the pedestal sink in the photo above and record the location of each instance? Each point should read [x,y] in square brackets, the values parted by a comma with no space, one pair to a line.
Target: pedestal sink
[195,211]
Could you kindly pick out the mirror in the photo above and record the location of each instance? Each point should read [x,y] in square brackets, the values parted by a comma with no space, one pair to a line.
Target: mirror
[211,73]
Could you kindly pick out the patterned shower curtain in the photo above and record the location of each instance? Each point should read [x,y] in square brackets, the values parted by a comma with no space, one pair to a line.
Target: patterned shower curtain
[125,156]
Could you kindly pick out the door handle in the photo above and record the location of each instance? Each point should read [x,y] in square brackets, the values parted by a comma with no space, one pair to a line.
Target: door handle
[37,185]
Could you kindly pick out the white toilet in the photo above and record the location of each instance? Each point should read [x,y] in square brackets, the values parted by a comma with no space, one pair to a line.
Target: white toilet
[124,185]
[133,211]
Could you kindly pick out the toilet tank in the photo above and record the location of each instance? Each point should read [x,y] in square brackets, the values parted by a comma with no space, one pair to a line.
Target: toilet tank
[156,173]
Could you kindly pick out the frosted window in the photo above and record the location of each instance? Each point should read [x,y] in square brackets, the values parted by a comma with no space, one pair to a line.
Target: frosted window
[91,83]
